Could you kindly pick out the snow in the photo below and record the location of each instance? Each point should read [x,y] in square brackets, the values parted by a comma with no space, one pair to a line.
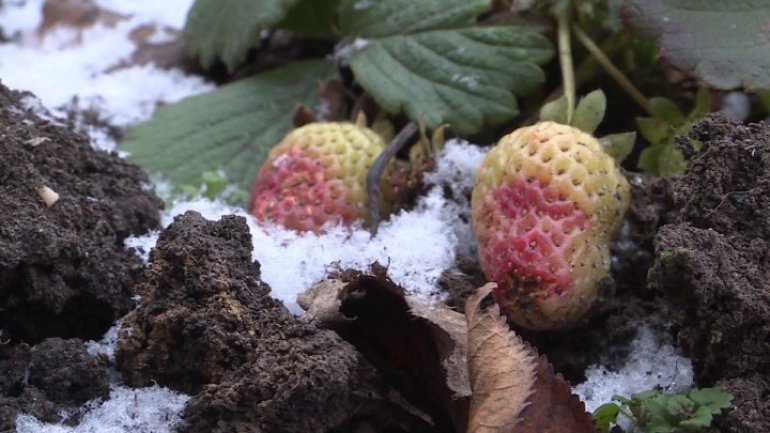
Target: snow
[417,246]
[86,68]
[650,364]
[146,410]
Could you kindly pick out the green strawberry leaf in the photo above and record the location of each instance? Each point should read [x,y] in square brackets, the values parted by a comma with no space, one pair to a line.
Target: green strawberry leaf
[667,111]
[724,42]
[431,61]
[229,129]
[227,29]
[702,104]
[713,398]
[313,18]
[590,111]
[555,111]
[606,415]
[376,18]
[463,77]
[619,145]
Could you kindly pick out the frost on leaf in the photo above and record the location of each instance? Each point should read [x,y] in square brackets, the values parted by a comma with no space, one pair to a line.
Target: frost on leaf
[514,389]
[727,43]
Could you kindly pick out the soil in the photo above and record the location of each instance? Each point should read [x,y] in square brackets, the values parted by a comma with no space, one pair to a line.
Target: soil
[35,381]
[208,327]
[64,273]
[63,269]
[713,264]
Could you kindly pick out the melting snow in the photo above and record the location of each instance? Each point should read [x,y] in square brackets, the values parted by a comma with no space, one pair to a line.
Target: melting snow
[650,364]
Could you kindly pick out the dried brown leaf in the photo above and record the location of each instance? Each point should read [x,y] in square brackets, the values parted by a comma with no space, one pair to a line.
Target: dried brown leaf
[419,348]
[514,389]
[502,368]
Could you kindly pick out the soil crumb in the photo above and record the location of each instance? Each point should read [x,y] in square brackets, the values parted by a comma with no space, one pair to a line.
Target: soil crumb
[207,326]
[65,210]
[713,263]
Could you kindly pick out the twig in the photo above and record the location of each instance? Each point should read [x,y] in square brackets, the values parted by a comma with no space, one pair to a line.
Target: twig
[611,69]
[378,168]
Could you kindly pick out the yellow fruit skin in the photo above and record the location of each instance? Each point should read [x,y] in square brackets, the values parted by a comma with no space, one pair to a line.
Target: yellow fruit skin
[316,175]
[546,204]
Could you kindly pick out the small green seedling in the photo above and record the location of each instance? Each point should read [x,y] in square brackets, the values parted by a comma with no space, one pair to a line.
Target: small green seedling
[661,412]
[661,156]
[215,185]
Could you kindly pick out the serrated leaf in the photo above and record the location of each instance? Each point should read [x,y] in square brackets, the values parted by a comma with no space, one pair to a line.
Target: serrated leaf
[514,389]
[702,104]
[227,29]
[666,110]
[655,130]
[463,77]
[501,367]
[590,111]
[606,415]
[726,43]
[619,145]
[713,398]
[229,129]
[313,18]
[555,111]
[375,18]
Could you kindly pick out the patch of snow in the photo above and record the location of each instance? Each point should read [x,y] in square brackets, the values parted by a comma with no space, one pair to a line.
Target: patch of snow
[344,50]
[83,68]
[107,345]
[736,105]
[650,364]
[417,246]
[456,171]
[143,410]
[19,15]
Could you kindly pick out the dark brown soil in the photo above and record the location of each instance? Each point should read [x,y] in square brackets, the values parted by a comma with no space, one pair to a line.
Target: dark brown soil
[48,379]
[207,326]
[713,264]
[63,269]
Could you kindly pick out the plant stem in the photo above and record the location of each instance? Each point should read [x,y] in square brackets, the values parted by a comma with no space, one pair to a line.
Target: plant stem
[611,69]
[378,167]
[565,60]
[584,72]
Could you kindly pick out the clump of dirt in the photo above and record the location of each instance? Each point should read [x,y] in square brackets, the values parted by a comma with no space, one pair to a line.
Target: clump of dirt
[713,263]
[50,379]
[63,269]
[207,326]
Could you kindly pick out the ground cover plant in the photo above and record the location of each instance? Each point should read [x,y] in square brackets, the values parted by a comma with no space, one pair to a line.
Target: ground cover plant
[436,216]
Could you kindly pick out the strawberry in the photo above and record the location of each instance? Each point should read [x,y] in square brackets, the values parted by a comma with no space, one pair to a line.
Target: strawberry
[316,175]
[546,203]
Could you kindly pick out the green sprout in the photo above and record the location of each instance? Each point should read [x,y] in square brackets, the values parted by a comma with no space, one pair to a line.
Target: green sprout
[661,412]
[667,121]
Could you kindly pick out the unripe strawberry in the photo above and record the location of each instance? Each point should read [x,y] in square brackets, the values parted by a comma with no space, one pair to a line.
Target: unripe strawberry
[316,175]
[546,203]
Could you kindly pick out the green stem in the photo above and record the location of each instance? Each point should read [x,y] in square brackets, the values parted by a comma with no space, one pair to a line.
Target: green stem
[611,69]
[565,60]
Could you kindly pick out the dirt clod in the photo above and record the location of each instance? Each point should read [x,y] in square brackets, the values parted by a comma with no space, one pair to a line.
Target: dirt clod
[51,378]
[63,269]
[713,262]
[207,326]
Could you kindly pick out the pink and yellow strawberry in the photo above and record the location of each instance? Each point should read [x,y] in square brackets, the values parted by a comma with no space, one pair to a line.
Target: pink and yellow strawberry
[316,175]
[545,206]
